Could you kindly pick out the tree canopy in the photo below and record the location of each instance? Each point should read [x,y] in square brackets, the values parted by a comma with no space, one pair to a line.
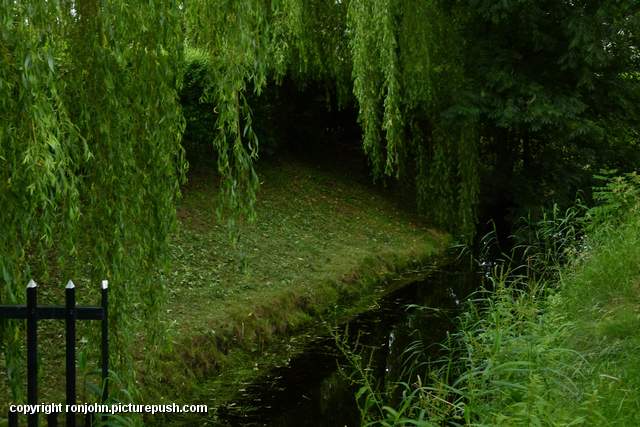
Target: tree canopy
[441,87]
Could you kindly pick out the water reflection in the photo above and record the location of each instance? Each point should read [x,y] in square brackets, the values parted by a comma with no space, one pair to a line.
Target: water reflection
[311,391]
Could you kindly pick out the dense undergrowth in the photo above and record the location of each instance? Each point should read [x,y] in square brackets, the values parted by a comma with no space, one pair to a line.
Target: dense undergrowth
[541,343]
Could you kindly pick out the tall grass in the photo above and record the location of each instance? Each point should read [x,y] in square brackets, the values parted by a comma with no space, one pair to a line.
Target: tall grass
[551,340]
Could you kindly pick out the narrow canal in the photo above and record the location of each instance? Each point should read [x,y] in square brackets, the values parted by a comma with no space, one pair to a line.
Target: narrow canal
[313,389]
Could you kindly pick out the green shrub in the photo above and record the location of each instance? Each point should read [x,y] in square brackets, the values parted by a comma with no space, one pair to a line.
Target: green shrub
[198,111]
[617,198]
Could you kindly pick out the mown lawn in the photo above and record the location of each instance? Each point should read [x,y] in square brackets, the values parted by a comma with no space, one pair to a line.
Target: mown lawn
[312,227]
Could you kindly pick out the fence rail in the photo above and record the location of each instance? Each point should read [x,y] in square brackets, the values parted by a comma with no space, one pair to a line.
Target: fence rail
[70,313]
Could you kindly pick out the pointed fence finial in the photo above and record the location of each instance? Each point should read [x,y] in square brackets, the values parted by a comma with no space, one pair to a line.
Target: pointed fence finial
[32,284]
[105,284]
[70,285]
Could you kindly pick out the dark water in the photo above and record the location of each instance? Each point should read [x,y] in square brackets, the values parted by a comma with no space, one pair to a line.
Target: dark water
[313,389]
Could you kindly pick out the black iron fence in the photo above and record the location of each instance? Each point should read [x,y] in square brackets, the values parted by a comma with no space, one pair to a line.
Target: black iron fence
[70,313]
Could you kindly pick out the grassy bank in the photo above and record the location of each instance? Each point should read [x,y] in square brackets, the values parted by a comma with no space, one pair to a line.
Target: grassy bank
[560,353]
[543,352]
[323,245]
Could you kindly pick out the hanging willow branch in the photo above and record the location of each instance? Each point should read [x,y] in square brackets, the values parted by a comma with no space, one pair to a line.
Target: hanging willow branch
[251,43]
[407,70]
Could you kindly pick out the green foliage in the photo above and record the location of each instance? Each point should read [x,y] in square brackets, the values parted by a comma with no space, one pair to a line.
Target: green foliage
[198,114]
[441,87]
[394,53]
[407,68]
[240,305]
[320,51]
[90,156]
[243,47]
[546,244]
[250,43]
[89,140]
[554,68]
[551,82]
[618,194]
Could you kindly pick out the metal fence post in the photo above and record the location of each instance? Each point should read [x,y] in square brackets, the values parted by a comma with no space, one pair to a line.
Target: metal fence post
[105,345]
[70,306]
[32,349]
[13,419]
[105,341]
[52,419]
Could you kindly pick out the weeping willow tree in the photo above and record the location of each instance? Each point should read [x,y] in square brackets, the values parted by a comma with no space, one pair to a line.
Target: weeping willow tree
[90,155]
[404,59]
[407,73]
[252,43]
